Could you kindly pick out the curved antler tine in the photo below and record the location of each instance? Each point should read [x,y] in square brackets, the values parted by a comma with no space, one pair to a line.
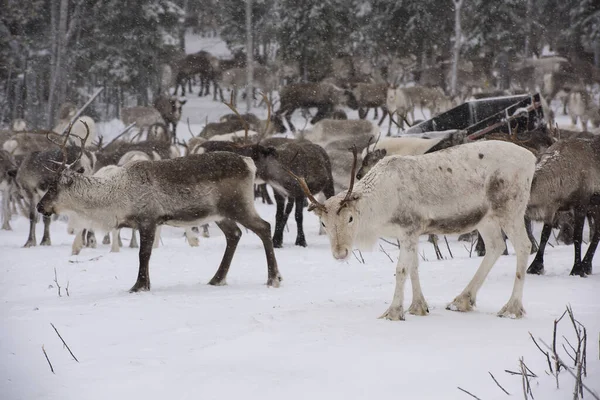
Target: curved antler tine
[83,140]
[235,111]
[352,177]
[62,146]
[354,164]
[304,186]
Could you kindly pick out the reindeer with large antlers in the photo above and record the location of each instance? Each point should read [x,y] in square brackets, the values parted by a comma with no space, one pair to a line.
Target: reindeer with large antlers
[186,191]
[39,169]
[483,185]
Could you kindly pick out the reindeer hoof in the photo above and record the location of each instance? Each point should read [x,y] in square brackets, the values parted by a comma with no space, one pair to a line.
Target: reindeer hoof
[462,303]
[536,267]
[513,309]
[579,269]
[418,307]
[393,314]
[301,242]
[274,282]
[140,287]
[45,242]
[217,282]
[30,243]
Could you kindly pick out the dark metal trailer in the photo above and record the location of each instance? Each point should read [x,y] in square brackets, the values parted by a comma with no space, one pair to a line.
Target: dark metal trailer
[506,114]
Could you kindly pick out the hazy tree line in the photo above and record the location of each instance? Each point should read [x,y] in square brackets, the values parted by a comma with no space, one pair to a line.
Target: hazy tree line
[57,50]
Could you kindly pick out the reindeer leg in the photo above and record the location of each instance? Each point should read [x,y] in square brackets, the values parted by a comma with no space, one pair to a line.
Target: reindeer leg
[192,237]
[491,233]
[91,239]
[205,232]
[106,239]
[517,234]
[6,211]
[33,216]
[300,239]
[407,261]
[156,242]
[46,237]
[115,246]
[232,235]
[580,214]
[133,243]
[589,255]
[77,243]
[537,265]
[147,233]
[252,221]
[280,221]
[528,228]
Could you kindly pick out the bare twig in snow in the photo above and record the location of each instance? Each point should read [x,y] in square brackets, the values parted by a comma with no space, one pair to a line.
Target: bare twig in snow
[470,394]
[57,285]
[394,244]
[91,259]
[385,252]
[361,259]
[64,343]
[500,386]
[543,352]
[67,289]
[448,246]
[47,359]
[558,360]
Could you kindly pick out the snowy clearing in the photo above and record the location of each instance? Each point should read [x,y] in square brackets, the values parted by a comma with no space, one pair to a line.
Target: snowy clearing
[317,336]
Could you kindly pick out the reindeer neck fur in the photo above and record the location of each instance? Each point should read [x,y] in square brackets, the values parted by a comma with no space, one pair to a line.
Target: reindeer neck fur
[102,200]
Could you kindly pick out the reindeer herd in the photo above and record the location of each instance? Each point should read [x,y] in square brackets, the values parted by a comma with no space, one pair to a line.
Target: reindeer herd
[399,187]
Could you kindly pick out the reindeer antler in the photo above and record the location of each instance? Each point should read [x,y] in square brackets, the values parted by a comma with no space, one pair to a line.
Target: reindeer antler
[314,203]
[346,199]
[83,140]
[62,146]
[235,111]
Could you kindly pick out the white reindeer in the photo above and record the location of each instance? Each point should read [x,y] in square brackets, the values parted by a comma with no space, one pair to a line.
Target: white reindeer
[482,186]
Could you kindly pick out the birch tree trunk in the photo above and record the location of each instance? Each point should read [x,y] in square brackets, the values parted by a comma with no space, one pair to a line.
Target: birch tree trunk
[528,16]
[56,74]
[457,42]
[249,58]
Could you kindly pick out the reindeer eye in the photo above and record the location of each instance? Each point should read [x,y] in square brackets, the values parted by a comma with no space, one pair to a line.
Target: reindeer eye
[351,219]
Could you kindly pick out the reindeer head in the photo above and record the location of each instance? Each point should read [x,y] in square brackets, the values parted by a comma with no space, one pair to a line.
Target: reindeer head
[339,215]
[64,175]
[369,161]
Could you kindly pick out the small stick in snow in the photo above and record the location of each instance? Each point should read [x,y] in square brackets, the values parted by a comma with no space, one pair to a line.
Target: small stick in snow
[398,245]
[91,259]
[385,252]
[448,246]
[361,260]
[525,378]
[500,386]
[57,285]
[470,394]
[518,373]
[47,359]
[67,289]
[543,352]
[65,343]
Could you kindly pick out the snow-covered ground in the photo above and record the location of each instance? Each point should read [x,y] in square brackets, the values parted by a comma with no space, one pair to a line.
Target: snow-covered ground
[317,336]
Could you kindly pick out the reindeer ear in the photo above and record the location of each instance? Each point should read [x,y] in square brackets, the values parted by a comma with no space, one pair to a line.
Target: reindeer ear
[380,153]
[66,179]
